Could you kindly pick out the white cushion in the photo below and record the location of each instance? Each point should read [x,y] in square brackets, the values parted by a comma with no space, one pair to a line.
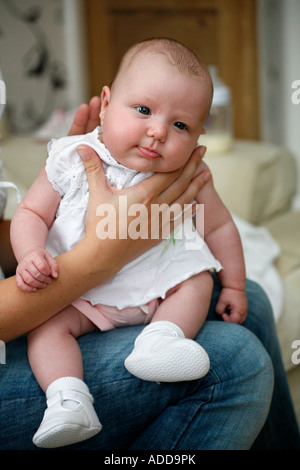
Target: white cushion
[255,180]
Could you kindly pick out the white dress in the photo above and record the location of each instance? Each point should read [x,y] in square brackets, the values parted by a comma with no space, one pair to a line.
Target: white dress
[149,276]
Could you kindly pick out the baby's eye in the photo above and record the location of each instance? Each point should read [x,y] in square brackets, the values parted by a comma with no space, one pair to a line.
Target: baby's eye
[180,125]
[143,110]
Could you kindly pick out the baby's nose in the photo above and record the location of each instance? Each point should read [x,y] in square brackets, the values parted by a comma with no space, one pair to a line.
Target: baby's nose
[158,130]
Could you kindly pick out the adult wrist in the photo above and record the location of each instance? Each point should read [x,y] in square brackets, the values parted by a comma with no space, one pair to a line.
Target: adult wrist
[95,262]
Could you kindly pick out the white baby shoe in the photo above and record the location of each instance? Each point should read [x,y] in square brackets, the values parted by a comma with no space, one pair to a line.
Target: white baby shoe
[162,354]
[70,416]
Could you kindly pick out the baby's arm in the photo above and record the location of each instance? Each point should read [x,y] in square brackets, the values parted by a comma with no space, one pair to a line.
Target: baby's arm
[29,230]
[222,237]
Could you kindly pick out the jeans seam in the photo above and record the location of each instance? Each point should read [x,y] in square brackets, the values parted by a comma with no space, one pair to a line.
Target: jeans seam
[198,409]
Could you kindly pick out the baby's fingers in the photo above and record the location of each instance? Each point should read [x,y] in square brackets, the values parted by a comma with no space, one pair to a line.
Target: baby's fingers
[23,285]
[233,317]
[26,282]
[221,307]
[43,267]
[53,265]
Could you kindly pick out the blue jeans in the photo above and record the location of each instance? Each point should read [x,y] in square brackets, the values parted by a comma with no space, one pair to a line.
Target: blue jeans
[226,409]
[280,431]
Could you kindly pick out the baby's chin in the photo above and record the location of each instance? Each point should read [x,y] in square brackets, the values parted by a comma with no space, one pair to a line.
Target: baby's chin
[147,165]
[141,165]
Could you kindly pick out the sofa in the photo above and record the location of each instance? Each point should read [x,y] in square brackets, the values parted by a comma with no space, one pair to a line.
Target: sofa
[257,182]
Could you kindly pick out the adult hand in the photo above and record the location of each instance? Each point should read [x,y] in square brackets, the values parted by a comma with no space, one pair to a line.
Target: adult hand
[178,187]
[93,261]
[86,117]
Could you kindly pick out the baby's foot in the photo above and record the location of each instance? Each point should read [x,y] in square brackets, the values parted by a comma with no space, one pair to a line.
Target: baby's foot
[162,354]
[70,416]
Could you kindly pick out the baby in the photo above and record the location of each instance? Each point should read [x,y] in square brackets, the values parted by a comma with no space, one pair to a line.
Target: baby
[151,118]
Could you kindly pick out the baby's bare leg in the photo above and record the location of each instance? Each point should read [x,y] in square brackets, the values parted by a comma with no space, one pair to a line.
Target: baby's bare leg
[56,362]
[187,304]
[53,351]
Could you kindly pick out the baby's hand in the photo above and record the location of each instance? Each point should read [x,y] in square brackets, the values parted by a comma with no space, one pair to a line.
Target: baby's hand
[35,270]
[232,305]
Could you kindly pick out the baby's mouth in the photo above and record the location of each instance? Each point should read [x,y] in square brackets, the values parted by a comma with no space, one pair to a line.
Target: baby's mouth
[147,152]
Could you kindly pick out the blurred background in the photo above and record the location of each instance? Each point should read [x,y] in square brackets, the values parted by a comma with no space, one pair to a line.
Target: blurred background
[54,54]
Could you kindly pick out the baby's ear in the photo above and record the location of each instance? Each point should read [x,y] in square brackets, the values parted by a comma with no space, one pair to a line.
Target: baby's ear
[105,97]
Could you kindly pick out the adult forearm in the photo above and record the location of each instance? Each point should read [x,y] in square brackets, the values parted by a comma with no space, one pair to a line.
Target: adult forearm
[93,261]
[22,311]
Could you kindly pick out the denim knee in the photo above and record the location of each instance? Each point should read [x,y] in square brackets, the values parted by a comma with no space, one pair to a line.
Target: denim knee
[231,345]
[241,377]
[238,357]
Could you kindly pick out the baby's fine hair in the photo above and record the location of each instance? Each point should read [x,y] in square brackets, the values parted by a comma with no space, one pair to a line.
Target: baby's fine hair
[178,54]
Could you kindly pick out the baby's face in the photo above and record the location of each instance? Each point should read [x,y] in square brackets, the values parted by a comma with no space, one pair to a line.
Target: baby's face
[153,116]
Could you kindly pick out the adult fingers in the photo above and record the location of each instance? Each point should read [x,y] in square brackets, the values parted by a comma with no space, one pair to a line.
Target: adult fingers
[93,167]
[187,185]
[94,111]
[80,120]
[179,186]
[86,117]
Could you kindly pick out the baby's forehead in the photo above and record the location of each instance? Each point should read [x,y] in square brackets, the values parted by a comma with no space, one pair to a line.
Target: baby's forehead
[139,60]
[142,58]
[148,56]
[135,66]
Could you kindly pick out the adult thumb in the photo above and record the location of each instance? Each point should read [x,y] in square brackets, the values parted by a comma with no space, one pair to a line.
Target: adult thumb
[93,166]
